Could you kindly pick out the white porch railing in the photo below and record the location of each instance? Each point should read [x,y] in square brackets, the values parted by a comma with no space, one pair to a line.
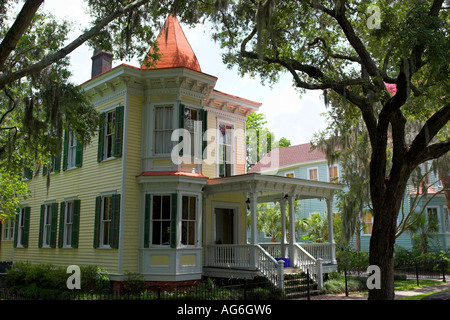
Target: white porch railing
[309,257]
[246,256]
[233,256]
[306,262]
[320,250]
[317,250]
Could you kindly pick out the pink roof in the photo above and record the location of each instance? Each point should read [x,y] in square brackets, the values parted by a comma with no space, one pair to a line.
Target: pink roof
[291,155]
[429,190]
[174,48]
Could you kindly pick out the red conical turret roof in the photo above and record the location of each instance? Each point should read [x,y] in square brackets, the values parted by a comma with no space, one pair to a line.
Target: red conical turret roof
[175,50]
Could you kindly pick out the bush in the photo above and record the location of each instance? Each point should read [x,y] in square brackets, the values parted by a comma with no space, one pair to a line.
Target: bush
[94,279]
[336,284]
[49,280]
[134,283]
[23,274]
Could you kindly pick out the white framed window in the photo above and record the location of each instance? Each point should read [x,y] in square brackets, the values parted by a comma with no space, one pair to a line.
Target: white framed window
[191,116]
[189,220]
[313,174]
[163,127]
[47,226]
[226,146]
[105,221]
[8,230]
[333,174]
[160,220]
[367,220]
[72,150]
[68,223]
[433,214]
[107,217]
[110,134]
[290,174]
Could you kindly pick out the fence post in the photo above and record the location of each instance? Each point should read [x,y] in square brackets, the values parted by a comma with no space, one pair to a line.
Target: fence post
[345,279]
[443,269]
[308,294]
[417,272]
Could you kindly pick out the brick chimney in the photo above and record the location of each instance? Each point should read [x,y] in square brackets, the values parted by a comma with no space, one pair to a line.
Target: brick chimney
[101,62]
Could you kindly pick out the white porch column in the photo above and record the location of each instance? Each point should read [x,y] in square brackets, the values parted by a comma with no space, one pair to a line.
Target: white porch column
[331,229]
[253,227]
[283,227]
[292,239]
[253,196]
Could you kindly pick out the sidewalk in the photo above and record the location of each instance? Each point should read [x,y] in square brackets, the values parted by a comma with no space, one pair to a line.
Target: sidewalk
[442,293]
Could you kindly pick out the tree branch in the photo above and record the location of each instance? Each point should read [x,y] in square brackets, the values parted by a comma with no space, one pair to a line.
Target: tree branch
[339,14]
[7,78]
[420,150]
[18,28]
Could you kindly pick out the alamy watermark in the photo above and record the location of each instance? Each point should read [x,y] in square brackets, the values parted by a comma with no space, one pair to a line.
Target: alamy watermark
[374,21]
[74,280]
[220,146]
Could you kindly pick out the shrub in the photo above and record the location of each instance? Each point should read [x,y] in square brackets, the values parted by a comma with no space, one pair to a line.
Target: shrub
[49,280]
[134,284]
[94,279]
[23,274]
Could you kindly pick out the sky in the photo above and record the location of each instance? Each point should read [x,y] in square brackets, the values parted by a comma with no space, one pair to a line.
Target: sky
[288,113]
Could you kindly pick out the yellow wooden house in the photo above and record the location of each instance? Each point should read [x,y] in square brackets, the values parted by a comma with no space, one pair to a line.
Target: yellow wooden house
[162,190]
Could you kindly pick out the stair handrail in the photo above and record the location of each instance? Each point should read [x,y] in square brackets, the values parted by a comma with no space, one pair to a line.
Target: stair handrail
[269,267]
[305,261]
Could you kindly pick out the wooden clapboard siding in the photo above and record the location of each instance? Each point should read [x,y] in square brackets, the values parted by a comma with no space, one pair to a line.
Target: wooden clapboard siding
[240,148]
[85,183]
[133,169]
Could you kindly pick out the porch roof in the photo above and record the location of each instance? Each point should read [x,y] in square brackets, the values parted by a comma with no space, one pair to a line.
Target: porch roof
[271,188]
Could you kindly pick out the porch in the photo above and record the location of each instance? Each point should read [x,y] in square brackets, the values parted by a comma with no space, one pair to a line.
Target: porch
[248,259]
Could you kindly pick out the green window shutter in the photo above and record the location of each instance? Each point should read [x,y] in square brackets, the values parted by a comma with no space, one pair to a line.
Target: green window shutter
[98,211]
[148,200]
[173,221]
[41,226]
[76,222]
[65,149]
[79,154]
[204,118]
[61,224]
[57,163]
[115,218]
[101,137]
[181,124]
[54,224]
[16,227]
[29,173]
[26,227]
[118,140]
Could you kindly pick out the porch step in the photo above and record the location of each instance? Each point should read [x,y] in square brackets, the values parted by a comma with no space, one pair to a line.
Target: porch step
[296,285]
[292,270]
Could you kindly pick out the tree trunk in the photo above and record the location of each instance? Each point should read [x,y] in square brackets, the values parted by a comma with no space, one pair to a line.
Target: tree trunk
[386,206]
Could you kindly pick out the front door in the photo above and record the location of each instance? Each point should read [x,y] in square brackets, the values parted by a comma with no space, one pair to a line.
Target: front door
[224,226]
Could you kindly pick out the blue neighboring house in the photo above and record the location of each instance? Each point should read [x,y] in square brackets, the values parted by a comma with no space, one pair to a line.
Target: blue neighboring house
[301,162]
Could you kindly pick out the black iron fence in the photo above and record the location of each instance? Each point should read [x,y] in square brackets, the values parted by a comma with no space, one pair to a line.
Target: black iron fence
[423,269]
[210,289]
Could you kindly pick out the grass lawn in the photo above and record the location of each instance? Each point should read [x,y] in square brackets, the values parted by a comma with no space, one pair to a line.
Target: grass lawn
[403,285]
